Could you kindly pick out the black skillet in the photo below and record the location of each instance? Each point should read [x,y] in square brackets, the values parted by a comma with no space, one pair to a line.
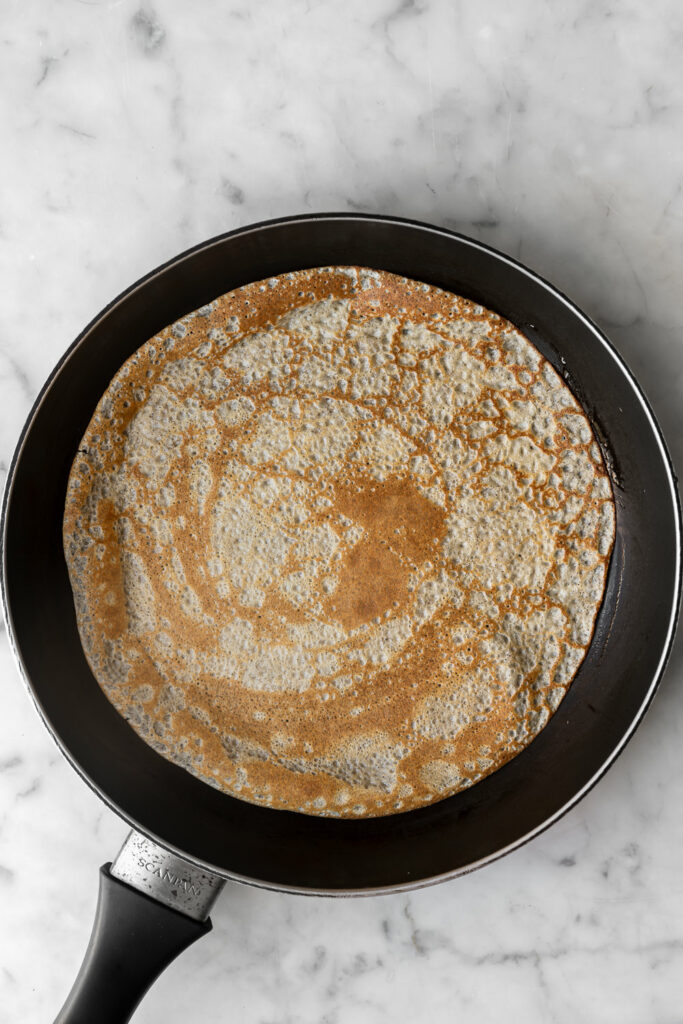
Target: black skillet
[278,849]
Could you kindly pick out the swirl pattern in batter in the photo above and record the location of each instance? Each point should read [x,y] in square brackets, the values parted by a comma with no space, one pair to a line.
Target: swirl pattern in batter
[337,542]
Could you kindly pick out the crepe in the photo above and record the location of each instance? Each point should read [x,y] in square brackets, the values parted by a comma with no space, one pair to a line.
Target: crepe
[337,542]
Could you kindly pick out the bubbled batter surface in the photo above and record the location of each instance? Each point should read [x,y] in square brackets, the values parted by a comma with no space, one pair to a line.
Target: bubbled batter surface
[337,542]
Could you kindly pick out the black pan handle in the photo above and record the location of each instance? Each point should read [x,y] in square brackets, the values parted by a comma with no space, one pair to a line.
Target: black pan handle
[133,940]
[135,935]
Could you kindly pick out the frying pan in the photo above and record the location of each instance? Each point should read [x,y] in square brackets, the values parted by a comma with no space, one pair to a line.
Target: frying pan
[188,838]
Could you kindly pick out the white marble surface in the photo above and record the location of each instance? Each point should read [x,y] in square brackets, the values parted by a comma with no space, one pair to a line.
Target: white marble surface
[552,131]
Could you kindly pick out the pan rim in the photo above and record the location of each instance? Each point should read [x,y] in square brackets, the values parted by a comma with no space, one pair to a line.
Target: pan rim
[675,511]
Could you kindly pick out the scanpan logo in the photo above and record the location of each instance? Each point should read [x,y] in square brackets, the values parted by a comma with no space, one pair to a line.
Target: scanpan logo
[175,881]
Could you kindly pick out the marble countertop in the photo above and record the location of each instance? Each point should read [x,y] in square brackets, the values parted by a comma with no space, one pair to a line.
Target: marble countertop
[551,131]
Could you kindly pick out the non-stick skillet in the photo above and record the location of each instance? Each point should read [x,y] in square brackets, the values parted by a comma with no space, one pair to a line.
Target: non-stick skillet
[188,838]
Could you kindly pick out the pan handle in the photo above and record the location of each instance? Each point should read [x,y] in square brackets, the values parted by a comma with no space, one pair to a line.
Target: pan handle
[141,925]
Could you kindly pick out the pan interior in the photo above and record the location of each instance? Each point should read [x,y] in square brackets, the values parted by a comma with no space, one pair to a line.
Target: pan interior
[607,698]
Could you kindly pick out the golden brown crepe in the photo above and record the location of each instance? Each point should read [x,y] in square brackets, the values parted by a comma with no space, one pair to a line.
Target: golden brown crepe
[337,542]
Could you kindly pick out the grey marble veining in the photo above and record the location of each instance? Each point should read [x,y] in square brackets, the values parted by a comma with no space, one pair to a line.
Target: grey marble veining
[551,131]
